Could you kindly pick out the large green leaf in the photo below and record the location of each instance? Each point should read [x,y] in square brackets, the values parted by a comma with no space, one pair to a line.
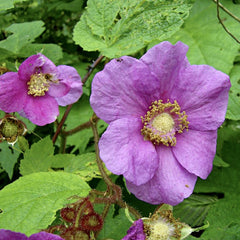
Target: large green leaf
[29,204]
[23,34]
[208,42]
[117,28]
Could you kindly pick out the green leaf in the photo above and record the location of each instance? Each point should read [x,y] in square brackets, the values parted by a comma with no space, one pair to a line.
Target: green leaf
[84,166]
[224,219]
[233,111]
[30,203]
[218,162]
[115,227]
[4,5]
[38,157]
[52,51]
[223,216]
[194,209]
[8,158]
[23,34]
[117,28]
[208,42]
[61,160]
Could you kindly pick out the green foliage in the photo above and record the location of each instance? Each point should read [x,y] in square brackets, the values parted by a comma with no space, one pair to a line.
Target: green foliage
[38,157]
[8,158]
[117,28]
[115,225]
[234,95]
[83,165]
[4,5]
[30,203]
[194,209]
[223,216]
[23,34]
[208,42]
[81,139]
[36,160]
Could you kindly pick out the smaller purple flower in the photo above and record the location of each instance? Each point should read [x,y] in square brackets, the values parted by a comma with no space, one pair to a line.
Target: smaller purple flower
[10,235]
[36,90]
[136,231]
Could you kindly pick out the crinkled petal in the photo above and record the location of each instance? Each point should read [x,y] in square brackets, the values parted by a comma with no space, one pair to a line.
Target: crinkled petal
[195,151]
[70,76]
[136,231]
[124,151]
[12,92]
[41,110]
[171,183]
[36,64]
[202,92]
[10,235]
[165,61]
[59,89]
[44,236]
[124,88]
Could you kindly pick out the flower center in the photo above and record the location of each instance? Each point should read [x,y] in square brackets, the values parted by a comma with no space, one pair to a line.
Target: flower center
[162,122]
[39,84]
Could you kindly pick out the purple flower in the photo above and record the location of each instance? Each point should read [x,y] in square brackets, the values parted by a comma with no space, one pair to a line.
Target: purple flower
[136,231]
[36,90]
[163,115]
[10,235]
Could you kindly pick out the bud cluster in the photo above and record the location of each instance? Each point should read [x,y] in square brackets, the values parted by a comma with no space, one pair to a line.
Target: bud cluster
[80,221]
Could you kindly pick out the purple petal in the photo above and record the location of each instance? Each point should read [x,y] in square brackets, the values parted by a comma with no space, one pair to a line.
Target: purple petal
[58,89]
[136,231]
[44,236]
[9,235]
[125,88]
[202,92]
[12,92]
[171,183]
[195,151]
[70,76]
[35,64]
[41,110]
[165,61]
[124,151]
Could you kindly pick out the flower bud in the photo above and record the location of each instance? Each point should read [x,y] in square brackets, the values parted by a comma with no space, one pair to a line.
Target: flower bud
[11,128]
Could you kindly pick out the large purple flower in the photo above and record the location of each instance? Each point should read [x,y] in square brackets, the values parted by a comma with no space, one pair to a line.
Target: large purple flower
[36,90]
[163,115]
[10,235]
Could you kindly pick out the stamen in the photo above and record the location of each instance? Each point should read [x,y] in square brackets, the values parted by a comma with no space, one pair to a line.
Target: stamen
[162,122]
[39,84]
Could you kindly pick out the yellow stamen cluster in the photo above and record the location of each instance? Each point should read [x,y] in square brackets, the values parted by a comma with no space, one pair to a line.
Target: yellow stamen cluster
[162,121]
[39,84]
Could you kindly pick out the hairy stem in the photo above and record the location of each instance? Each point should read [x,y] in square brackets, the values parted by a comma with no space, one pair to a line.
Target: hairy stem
[60,125]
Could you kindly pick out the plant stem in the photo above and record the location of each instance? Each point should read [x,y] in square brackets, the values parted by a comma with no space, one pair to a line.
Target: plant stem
[77,129]
[106,178]
[113,189]
[90,70]
[221,22]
